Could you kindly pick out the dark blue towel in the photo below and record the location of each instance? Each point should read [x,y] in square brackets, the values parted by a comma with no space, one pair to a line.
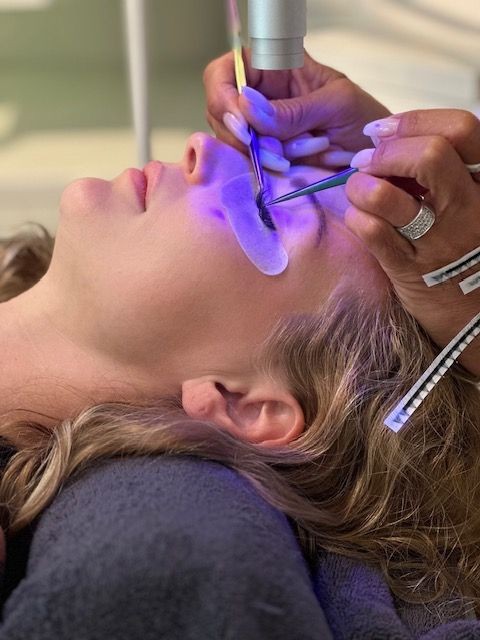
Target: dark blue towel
[163,547]
[180,548]
[359,606]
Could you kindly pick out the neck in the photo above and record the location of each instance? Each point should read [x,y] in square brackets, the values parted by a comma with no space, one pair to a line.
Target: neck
[46,377]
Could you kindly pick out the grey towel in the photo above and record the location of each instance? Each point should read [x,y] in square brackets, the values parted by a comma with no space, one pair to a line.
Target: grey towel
[180,548]
[163,548]
[359,606]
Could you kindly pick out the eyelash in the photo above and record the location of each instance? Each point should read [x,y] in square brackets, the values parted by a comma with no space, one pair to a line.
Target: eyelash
[265,216]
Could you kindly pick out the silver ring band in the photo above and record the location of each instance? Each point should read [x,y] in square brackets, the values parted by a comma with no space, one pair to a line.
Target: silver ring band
[473,168]
[423,222]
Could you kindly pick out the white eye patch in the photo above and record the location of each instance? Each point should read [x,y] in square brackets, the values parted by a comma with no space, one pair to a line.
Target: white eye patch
[261,245]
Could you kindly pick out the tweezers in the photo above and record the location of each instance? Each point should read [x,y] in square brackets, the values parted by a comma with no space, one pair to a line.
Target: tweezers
[321,185]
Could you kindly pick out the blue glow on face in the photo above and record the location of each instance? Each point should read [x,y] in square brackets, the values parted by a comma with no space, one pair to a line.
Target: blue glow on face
[216,213]
[261,245]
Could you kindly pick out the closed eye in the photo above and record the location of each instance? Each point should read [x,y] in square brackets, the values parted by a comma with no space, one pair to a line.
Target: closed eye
[300,183]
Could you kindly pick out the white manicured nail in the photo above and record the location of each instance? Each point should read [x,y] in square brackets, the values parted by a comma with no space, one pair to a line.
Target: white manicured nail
[306,146]
[271,161]
[337,158]
[258,100]
[236,127]
[362,159]
[382,128]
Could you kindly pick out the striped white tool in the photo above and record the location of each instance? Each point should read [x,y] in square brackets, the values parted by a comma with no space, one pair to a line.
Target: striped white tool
[453,269]
[439,367]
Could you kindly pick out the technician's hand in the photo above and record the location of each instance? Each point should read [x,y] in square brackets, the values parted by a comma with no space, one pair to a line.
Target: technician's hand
[314,115]
[433,147]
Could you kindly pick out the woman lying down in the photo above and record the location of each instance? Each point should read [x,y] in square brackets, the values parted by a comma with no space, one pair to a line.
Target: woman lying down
[145,328]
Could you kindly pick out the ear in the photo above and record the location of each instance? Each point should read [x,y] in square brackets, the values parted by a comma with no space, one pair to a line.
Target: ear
[263,414]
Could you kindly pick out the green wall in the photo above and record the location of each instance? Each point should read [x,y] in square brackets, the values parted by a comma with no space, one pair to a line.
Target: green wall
[85,32]
[64,67]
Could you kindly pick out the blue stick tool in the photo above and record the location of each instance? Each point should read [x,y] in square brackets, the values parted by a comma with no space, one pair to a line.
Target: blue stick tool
[321,185]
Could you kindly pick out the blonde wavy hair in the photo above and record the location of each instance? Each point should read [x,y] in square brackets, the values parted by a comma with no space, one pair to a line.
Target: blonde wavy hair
[406,503]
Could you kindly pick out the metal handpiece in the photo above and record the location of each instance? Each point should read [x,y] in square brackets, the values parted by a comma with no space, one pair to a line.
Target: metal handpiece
[277,29]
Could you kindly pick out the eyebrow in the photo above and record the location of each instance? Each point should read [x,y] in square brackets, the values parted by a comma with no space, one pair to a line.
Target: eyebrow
[319,209]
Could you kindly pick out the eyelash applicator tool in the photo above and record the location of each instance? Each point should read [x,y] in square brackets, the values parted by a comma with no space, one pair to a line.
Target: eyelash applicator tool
[241,79]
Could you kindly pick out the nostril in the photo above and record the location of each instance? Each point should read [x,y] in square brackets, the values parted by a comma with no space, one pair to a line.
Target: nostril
[199,157]
[191,160]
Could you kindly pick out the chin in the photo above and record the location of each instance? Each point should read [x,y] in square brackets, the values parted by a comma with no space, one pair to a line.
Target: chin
[84,196]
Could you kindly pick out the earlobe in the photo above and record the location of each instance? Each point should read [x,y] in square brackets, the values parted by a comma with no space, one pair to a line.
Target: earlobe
[265,414]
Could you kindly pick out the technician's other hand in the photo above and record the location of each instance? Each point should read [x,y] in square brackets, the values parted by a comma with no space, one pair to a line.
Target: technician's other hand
[434,148]
[313,115]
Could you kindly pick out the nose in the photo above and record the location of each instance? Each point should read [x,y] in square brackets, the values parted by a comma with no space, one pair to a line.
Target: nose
[208,160]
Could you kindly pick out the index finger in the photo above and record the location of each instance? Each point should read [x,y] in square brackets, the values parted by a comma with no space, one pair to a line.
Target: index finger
[461,128]
[221,87]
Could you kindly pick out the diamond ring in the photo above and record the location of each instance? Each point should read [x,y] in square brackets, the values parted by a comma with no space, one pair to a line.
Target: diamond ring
[423,222]
[473,168]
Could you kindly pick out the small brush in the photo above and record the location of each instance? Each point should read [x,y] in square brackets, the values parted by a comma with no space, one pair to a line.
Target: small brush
[321,185]
[234,27]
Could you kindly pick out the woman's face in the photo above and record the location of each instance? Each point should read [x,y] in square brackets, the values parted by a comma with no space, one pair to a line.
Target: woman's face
[165,281]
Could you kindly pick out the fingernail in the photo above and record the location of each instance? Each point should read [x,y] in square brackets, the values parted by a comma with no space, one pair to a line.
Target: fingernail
[272,144]
[306,146]
[337,158]
[271,161]
[382,128]
[258,100]
[362,159]
[236,127]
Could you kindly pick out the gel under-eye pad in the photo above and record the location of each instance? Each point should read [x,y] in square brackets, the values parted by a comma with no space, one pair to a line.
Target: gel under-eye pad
[261,245]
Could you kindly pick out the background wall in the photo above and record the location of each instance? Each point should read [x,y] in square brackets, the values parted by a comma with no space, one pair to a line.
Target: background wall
[86,32]
[408,53]
[64,103]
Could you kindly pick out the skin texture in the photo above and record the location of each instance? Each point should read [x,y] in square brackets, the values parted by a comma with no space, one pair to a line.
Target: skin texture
[181,255]
[137,303]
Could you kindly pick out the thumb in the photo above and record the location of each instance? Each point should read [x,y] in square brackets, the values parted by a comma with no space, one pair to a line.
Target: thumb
[394,253]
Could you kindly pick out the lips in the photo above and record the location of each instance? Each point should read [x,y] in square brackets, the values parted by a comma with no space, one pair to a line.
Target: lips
[139,182]
[152,172]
